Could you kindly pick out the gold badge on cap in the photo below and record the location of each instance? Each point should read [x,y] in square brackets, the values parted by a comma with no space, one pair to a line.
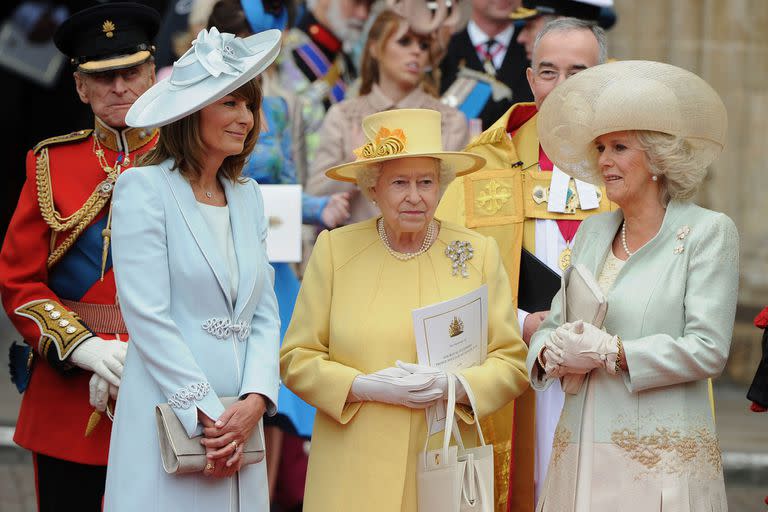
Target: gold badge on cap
[108,28]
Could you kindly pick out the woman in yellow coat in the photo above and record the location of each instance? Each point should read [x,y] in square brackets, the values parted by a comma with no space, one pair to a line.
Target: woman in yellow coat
[350,348]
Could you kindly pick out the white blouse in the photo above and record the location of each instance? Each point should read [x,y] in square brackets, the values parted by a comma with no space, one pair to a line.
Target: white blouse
[217,218]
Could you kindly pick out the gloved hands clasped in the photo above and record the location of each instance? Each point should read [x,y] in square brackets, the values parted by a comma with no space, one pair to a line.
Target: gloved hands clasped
[100,391]
[106,359]
[579,348]
[411,385]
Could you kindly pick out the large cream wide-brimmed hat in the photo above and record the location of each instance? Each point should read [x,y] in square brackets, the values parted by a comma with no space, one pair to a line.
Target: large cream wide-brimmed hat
[216,65]
[629,95]
[404,133]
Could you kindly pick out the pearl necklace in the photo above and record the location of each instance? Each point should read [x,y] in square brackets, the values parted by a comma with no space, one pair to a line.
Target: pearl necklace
[624,239]
[405,256]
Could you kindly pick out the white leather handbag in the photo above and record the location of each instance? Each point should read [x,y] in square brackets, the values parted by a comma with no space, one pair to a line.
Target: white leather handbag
[455,478]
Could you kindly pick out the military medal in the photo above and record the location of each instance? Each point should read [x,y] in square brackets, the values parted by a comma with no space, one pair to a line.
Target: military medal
[568,231]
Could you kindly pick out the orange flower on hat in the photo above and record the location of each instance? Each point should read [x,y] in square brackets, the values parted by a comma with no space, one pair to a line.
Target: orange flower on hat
[386,143]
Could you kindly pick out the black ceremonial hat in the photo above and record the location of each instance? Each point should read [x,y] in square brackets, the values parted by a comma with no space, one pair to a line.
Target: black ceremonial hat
[109,36]
[586,10]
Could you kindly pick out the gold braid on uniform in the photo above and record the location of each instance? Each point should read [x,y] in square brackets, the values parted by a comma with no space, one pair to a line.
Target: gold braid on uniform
[61,330]
[79,220]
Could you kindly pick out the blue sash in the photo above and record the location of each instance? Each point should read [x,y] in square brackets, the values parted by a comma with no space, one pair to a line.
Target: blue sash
[476,100]
[316,60]
[80,268]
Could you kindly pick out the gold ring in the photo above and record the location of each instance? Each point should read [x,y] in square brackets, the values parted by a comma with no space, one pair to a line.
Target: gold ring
[210,466]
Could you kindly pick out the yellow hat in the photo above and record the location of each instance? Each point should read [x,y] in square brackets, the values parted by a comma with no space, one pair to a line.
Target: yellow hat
[404,133]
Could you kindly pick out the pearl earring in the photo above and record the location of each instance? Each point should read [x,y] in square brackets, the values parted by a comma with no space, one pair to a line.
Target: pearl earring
[655,178]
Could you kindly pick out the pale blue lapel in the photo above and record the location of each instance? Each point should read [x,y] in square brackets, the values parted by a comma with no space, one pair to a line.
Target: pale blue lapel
[242,215]
[185,198]
[603,241]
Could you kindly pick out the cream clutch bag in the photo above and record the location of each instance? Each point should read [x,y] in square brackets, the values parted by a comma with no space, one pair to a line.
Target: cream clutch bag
[181,454]
[582,300]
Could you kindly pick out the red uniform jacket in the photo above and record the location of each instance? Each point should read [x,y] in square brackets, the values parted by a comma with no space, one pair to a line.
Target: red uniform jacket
[42,264]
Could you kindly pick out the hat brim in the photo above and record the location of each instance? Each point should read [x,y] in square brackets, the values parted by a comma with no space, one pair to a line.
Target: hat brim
[165,103]
[462,163]
[121,62]
[524,14]
[629,96]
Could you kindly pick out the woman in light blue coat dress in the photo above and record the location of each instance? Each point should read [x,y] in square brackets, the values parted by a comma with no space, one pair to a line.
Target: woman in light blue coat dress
[638,433]
[195,286]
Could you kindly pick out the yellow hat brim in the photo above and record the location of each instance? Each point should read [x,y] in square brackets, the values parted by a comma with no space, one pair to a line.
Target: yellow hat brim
[124,61]
[462,163]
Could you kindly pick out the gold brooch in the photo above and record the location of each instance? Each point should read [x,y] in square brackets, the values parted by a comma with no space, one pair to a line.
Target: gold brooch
[387,142]
[108,28]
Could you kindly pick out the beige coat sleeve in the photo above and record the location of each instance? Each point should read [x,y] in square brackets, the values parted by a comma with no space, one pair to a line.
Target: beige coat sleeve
[455,130]
[329,153]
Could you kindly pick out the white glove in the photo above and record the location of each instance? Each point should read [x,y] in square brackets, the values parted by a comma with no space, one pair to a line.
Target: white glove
[395,386]
[441,379]
[583,347]
[100,391]
[103,357]
[552,360]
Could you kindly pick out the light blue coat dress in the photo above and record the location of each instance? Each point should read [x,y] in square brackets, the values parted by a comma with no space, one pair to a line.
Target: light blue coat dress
[652,443]
[189,344]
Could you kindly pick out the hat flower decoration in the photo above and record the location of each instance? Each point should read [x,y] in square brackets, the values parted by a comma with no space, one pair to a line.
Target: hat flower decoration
[216,65]
[387,142]
[403,133]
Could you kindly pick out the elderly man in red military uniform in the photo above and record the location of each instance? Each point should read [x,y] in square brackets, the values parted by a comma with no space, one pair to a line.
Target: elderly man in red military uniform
[56,278]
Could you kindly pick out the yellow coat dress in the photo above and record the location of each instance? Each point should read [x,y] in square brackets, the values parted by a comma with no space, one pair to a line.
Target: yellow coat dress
[352,317]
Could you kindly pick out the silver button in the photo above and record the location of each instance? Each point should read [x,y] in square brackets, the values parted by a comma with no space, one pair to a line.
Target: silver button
[48,307]
[63,323]
[55,315]
[71,329]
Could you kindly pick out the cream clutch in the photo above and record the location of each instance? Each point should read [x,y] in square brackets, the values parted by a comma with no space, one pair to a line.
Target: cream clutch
[180,454]
[582,300]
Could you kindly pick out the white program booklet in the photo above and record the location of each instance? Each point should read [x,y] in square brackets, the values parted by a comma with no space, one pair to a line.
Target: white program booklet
[452,335]
[282,207]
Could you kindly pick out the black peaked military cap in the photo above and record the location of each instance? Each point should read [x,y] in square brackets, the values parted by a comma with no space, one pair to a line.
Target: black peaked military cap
[586,10]
[109,36]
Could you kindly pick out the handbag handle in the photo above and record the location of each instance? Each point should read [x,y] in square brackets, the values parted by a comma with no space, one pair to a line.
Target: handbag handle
[451,427]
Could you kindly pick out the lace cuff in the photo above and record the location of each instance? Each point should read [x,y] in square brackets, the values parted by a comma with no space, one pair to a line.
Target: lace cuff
[185,397]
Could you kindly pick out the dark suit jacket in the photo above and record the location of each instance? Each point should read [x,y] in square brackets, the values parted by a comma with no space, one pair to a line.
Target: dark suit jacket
[512,73]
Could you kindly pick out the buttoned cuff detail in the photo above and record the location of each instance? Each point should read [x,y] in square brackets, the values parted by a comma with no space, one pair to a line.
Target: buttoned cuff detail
[60,329]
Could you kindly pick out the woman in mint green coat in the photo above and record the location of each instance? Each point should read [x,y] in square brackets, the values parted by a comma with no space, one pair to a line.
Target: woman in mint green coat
[638,434]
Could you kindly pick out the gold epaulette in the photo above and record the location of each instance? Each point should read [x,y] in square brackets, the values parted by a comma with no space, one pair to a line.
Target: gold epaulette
[60,139]
[491,136]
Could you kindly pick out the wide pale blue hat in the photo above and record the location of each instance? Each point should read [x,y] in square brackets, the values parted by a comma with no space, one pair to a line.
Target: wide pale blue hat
[216,65]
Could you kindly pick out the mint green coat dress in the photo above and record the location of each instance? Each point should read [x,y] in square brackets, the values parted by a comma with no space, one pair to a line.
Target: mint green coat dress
[654,445]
